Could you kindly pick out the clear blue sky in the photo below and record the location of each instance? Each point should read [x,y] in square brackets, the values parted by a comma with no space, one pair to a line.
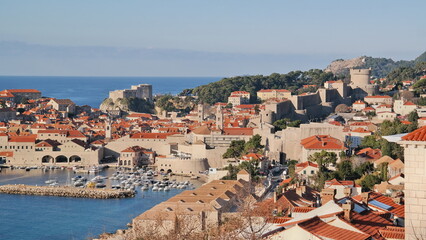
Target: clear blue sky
[201,37]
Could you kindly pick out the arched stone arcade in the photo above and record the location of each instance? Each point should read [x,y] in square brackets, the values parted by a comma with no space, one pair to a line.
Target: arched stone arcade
[61,159]
[47,159]
[75,158]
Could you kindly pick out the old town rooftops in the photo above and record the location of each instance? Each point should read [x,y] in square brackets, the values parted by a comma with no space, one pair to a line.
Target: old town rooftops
[23,90]
[152,135]
[326,231]
[31,138]
[322,142]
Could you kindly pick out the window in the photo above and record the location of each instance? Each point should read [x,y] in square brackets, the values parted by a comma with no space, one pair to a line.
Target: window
[312,171]
[304,171]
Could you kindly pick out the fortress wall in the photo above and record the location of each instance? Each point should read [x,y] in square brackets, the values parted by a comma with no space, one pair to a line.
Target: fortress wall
[182,166]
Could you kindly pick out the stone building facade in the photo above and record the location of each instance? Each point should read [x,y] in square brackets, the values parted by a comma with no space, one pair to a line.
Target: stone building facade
[414,144]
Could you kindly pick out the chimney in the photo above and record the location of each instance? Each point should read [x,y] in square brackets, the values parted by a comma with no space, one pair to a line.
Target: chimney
[303,189]
[275,197]
[327,195]
[347,210]
[347,191]
[397,200]
[364,197]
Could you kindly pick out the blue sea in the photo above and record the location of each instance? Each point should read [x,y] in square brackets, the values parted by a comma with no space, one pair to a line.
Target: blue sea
[61,218]
[93,90]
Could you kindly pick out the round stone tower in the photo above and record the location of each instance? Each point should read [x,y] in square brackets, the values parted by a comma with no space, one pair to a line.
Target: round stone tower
[360,78]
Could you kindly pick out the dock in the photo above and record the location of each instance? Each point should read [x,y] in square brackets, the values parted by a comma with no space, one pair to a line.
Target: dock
[65,191]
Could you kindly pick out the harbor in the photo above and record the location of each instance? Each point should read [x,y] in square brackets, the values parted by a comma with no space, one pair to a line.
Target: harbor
[75,217]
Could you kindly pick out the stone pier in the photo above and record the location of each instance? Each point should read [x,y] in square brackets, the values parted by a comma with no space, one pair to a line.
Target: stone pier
[64,191]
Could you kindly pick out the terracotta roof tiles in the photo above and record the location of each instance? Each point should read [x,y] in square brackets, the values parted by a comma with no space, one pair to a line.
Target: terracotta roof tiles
[416,135]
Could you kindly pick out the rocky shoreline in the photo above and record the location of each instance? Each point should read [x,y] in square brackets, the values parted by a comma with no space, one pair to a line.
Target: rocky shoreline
[64,191]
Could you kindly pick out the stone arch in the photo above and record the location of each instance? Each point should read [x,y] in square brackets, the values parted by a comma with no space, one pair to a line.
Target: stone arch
[161,170]
[61,159]
[120,163]
[169,171]
[75,158]
[47,159]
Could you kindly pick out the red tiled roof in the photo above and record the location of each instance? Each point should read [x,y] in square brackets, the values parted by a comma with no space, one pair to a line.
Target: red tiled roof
[31,138]
[370,153]
[140,115]
[133,149]
[6,154]
[6,94]
[23,90]
[361,130]
[406,122]
[152,135]
[416,135]
[323,230]
[238,131]
[279,220]
[368,223]
[322,142]
[239,92]
[75,134]
[306,164]
[288,180]
[302,209]
[408,103]
[254,156]
[393,232]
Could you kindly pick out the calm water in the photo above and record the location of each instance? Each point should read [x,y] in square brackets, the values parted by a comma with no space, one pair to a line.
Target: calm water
[93,90]
[38,217]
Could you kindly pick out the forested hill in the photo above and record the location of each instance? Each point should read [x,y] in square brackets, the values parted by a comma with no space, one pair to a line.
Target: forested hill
[219,91]
[381,67]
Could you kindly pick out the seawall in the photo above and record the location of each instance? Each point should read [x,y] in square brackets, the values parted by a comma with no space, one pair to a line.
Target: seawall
[64,191]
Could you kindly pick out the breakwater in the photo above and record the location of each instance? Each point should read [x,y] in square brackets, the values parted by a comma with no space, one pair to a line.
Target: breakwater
[65,191]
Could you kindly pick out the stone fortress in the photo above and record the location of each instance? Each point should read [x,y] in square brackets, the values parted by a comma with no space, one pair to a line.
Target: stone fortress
[143,91]
[309,106]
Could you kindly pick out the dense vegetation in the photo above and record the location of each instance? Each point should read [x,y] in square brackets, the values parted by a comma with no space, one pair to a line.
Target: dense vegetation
[219,91]
[382,67]
[284,123]
[237,148]
[171,103]
[128,104]
[406,73]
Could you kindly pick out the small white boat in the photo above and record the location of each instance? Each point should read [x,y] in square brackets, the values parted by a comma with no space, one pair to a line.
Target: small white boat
[50,181]
[100,185]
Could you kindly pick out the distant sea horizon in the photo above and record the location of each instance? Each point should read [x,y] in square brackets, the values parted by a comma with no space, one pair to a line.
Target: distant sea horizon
[92,90]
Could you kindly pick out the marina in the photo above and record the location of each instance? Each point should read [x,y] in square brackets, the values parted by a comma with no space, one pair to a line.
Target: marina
[74,218]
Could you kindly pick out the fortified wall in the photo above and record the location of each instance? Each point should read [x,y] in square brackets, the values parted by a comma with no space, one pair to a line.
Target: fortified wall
[143,91]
